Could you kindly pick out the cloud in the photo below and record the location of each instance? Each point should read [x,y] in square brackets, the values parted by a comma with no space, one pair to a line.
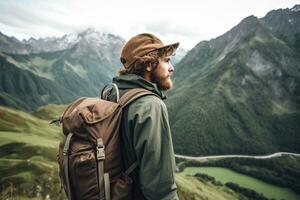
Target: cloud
[36,19]
[188,21]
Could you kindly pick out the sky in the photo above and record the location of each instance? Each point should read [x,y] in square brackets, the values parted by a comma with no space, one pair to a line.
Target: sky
[184,21]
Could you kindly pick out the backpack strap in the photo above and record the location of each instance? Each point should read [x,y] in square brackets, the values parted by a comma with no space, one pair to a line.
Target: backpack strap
[134,94]
[108,89]
[107,186]
[66,164]
[131,168]
[100,156]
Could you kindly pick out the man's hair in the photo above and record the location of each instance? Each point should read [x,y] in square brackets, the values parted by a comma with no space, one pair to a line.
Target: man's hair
[141,63]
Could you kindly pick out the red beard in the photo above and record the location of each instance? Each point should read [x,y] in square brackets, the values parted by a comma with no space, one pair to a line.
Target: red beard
[163,82]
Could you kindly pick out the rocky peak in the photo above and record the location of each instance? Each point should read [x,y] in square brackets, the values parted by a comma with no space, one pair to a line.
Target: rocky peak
[281,20]
[13,45]
[296,8]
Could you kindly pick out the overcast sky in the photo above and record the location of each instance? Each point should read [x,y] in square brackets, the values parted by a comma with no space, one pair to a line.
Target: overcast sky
[186,21]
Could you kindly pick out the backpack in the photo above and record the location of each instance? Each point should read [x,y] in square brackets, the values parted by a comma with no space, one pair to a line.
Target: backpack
[89,157]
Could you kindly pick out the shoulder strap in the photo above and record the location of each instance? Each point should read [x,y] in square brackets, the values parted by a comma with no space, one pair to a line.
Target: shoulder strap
[107,90]
[134,94]
[66,164]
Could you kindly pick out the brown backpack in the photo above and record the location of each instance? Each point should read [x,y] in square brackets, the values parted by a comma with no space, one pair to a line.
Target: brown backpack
[90,162]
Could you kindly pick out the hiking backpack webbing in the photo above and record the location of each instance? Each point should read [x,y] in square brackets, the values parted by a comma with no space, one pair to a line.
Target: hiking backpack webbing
[66,163]
[103,178]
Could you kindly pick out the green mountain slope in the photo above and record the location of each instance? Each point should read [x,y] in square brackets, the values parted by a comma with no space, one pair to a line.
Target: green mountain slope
[54,77]
[238,93]
[20,88]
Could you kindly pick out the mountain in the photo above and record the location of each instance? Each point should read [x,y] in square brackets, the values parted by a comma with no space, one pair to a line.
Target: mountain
[21,88]
[91,36]
[60,76]
[238,93]
[50,44]
[180,53]
[13,45]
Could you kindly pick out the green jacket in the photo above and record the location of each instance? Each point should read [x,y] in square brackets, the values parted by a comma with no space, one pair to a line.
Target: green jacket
[146,138]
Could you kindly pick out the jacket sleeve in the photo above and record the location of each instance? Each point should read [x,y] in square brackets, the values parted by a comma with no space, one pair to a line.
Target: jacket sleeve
[153,146]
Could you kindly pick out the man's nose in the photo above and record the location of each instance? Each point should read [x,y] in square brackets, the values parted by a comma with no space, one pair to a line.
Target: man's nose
[171,68]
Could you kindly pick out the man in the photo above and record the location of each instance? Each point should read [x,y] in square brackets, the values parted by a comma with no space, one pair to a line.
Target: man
[145,130]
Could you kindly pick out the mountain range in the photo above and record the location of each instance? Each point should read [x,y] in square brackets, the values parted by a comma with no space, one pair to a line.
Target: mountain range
[79,66]
[36,72]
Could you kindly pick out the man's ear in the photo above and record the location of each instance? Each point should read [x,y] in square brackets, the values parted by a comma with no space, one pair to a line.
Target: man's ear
[151,67]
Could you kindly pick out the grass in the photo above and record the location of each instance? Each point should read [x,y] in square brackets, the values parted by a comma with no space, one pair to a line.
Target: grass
[50,111]
[28,149]
[191,188]
[35,140]
[13,122]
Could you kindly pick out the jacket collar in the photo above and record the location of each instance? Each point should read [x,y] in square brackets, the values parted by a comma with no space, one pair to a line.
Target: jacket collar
[130,81]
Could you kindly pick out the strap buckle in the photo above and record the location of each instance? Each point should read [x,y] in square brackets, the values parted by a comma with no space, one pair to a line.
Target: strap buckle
[65,152]
[100,150]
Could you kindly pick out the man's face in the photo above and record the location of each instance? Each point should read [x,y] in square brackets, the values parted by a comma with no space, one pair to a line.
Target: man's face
[162,74]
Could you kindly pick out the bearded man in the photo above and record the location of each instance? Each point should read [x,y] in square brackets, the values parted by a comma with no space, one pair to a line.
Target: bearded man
[145,131]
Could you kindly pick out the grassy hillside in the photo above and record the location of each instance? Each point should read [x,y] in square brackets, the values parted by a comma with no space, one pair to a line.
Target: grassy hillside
[191,188]
[28,148]
[49,112]
[203,187]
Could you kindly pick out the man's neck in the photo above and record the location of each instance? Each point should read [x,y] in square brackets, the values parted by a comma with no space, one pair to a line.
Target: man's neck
[147,76]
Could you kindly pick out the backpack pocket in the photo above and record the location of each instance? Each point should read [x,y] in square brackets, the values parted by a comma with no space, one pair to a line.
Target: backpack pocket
[83,175]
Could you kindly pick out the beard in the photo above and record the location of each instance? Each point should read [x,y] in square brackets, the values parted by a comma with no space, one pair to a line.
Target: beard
[163,82]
